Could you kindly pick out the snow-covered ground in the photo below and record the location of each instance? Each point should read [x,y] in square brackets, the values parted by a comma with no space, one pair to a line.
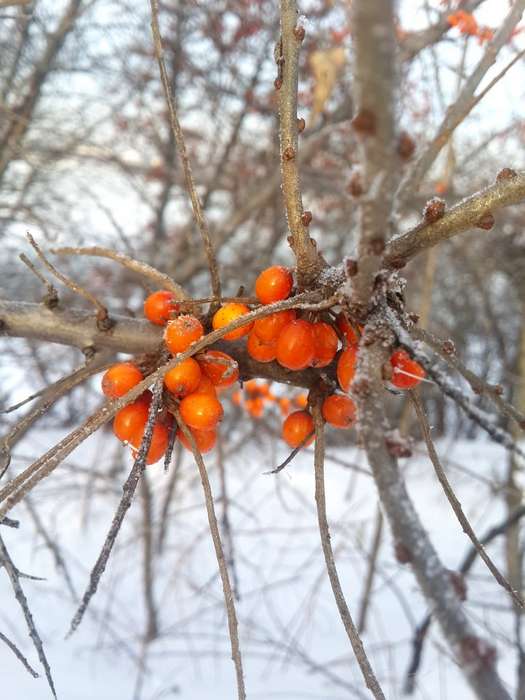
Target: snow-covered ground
[291,635]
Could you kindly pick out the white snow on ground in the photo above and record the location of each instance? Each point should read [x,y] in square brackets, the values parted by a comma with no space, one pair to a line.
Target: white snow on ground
[285,595]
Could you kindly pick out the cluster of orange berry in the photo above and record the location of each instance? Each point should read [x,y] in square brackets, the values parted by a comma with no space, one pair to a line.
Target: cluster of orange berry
[296,343]
[255,396]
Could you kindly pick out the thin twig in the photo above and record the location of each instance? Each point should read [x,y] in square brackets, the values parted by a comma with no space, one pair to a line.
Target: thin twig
[454,502]
[478,385]
[292,455]
[372,565]
[128,489]
[422,629]
[198,212]
[137,266]
[221,561]
[320,500]
[103,321]
[51,298]
[309,263]
[14,577]
[16,651]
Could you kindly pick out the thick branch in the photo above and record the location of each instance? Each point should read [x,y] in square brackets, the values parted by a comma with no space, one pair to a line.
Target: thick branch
[287,56]
[508,189]
[406,526]
[373,92]
[78,328]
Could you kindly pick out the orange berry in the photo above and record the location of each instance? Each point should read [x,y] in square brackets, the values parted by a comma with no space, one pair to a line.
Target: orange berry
[262,352]
[401,360]
[339,411]
[160,306]
[206,386]
[184,378]
[219,367]
[130,420]
[269,327]
[301,400]
[346,366]
[237,397]
[251,386]
[346,328]
[120,378]
[229,313]
[273,284]
[159,442]
[204,439]
[296,345]
[297,427]
[182,332]
[255,407]
[326,342]
[201,411]
[284,406]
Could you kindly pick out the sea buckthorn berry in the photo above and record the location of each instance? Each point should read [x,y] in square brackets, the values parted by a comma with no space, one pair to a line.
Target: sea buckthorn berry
[326,341]
[159,442]
[206,386]
[273,284]
[182,332]
[160,306]
[228,313]
[219,367]
[339,411]
[297,427]
[402,362]
[120,378]
[346,366]
[262,352]
[130,420]
[204,439]
[201,411]
[346,328]
[255,407]
[184,378]
[301,400]
[285,405]
[269,327]
[296,345]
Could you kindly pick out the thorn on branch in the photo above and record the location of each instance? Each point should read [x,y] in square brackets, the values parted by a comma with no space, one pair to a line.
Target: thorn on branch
[434,210]
[364,122]
[460,585]
[306,218]
[50,300]
[402,553]
[299,33]
[406,146]
[486,222]
[355,186]
[506,174]
[477,652]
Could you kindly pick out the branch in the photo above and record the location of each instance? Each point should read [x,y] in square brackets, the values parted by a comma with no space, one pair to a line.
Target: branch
[14,577]
[77,328]
[404,521]
[141,268]
[465,102]
[454,502]
[221,560]
[129,488]
[508,189]
[478,385]
[16,651]
[309,263]
[198,212]
[320,499]
[373,92]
